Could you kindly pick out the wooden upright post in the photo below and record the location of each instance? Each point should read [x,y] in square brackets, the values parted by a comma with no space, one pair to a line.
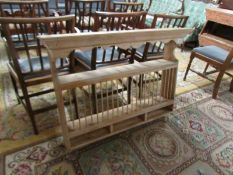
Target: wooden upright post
[168,84]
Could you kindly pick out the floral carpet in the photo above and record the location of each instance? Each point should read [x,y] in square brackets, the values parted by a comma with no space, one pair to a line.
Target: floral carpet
[195,139]
[200,143]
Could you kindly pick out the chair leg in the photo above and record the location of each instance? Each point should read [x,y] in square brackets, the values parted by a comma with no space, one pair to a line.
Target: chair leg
[15,88]
[94,100]
[189,65]
[75,103]
[231,86]
[140,84]
[182,47]
[217,84]
[129,90]
[29,109]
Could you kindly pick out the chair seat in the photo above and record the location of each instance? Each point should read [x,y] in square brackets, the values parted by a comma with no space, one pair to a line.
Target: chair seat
[152,52]
[213,52]
[140,50]
[18,41]
[85,56]
[36,65]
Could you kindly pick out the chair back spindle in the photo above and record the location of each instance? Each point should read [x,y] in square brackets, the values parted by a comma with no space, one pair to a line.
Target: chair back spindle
[30,8]
[85,11]
[127,6]
[155,50]
[27,53]
[114,21]
[111,21]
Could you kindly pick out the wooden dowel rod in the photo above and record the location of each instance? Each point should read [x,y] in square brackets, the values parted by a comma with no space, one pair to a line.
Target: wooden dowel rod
[90,102]
[102,102]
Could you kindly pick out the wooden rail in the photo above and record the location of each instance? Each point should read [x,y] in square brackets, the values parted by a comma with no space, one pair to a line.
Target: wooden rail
[123,100]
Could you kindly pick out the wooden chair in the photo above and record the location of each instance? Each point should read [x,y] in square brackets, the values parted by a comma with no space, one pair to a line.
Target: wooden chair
[100,57]
[18,8]
[29,8]
[84,13]
[216,57]
[28,63]
[110,21]
[151,51]
[127,6]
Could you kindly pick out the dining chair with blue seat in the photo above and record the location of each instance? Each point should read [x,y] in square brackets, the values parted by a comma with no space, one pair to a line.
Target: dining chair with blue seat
[103,57]
[110,21]
[29,63]
[84,11]
[152,51]
[99,57]
[19,8]
[216,57]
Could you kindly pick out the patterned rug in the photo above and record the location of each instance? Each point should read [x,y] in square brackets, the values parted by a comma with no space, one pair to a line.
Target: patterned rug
[194,139]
